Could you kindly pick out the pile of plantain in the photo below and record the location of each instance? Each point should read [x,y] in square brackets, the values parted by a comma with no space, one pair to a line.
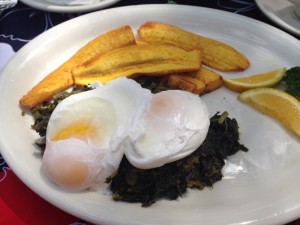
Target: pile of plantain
[179,57]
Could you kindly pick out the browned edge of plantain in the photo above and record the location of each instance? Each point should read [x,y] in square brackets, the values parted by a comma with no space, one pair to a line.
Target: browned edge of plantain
[135,60]
[198,82]
[215,54]
[61,78]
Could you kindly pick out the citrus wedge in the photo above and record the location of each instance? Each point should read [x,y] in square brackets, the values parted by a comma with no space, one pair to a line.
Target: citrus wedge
[267,79]
[275,103]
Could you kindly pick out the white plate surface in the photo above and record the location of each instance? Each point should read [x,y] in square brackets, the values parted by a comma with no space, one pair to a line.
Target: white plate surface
[51,7]
[282,13]
[259,187]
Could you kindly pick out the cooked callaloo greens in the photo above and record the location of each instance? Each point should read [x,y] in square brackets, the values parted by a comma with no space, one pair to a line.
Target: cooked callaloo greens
[199,170]
[292,80]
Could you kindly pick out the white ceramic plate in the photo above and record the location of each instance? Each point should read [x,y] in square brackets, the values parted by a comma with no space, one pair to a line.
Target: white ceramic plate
[259,187]
[51,7]
[282,13]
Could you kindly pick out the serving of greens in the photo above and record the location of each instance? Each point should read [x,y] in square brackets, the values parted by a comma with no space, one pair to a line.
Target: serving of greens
[199,170]
[292,80]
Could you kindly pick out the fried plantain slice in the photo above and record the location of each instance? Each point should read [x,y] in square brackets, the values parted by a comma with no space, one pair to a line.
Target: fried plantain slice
[198,82]
[61,78]
[211,79]
[215,54]
[135,60]
[185,82]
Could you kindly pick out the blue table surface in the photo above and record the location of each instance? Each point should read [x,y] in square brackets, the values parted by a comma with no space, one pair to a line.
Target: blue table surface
[21,24]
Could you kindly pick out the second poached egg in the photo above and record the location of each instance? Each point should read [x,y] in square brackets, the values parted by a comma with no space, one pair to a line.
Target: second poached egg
[89,133]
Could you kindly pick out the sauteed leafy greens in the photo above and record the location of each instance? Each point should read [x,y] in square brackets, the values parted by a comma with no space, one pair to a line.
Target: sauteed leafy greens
[200,169]
[292,80]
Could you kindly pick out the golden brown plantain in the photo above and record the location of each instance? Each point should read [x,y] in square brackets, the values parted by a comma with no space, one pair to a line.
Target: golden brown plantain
[61,78]
[198,82]
[135,60]
[215,54]
[211,79]
[185,82]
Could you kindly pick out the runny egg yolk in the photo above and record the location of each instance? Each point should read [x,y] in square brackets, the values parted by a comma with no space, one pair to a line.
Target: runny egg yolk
[80,130]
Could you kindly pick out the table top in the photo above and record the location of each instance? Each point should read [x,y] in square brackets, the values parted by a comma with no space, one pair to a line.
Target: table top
[18,26]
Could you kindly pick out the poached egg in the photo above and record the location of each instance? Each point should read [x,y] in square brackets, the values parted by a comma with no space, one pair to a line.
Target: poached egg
[89,133]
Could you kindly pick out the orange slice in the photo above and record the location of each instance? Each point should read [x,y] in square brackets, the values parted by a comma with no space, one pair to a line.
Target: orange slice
[275,103]
[267,79]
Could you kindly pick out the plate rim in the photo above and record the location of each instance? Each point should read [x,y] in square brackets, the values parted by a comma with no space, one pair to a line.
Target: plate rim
[51,7]
[277,20]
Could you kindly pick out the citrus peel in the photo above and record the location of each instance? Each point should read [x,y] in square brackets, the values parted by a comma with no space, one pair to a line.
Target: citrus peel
[267,79]
[275,103]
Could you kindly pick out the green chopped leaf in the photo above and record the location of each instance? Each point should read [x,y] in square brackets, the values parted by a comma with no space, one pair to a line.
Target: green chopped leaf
[200,169]
[292,80]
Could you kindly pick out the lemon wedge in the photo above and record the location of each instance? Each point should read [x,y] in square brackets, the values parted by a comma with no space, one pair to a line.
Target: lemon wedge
[267,79]
[275,103]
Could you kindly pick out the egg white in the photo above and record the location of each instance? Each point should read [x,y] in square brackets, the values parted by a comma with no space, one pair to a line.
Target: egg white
[175,124]
[89,133]
[111,110]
